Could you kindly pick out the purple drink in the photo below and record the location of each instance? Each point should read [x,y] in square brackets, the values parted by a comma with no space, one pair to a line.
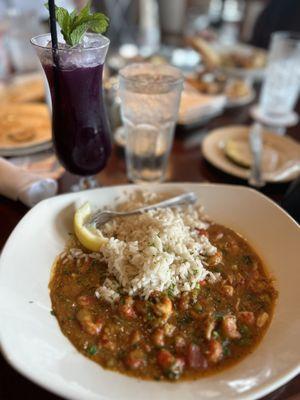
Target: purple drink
[80,127]
[79,124]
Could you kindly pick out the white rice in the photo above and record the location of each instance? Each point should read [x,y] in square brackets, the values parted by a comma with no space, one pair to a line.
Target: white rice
[155,251]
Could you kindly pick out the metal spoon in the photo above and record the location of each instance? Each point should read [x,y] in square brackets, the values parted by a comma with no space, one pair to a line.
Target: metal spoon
[101,217]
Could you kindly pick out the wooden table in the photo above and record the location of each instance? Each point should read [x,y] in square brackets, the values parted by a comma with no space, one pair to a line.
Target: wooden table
[186,165]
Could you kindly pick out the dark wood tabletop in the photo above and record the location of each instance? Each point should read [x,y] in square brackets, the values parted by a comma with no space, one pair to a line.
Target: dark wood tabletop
[186,165]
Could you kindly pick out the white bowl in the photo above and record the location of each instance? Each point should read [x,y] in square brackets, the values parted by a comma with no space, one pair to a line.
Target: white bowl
[33,343]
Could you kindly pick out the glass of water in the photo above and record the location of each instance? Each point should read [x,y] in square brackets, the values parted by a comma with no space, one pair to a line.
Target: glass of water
[282,80]
[150,96]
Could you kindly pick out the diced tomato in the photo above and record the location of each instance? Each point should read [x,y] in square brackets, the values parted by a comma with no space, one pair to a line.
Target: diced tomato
[86,301]
[247,317]
[135,359]
[127,311]
[202,232]
[195,358]
[165,359]
[202,283]
[107,343]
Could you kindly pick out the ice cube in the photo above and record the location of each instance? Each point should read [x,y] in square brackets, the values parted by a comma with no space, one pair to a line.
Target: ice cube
[79,55]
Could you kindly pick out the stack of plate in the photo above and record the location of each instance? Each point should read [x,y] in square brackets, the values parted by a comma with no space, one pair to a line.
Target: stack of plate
[25,128]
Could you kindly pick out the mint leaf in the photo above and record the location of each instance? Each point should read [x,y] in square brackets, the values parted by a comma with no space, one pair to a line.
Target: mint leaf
[63,18]
[99,23]
[84,12]
[76,24]
[77,33]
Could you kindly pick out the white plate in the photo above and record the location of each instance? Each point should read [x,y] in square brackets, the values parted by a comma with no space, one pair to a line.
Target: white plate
[26,151]
[284,147]
[33,343]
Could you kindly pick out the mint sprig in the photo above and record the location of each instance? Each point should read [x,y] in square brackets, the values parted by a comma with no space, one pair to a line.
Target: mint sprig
[75,24]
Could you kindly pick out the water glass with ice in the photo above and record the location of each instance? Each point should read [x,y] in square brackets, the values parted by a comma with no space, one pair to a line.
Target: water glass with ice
[282,80]
[150,96]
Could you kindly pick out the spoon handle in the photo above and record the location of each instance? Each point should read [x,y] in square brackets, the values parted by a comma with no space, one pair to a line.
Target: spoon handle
[256,146]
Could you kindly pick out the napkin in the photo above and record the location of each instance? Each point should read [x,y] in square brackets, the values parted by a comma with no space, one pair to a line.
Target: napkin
[18,184]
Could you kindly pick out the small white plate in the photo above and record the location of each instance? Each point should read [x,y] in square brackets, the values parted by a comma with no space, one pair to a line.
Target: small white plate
[32,342]
[26,151]
[285,148]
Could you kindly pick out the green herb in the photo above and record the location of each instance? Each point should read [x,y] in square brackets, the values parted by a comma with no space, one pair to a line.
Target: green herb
[226,349]
[92,350]
[247,260]
[245,341]
[265,299]
[215,335]
[186,320]
[198,307]
[75,24]
[172,375]
[150,316]
[219,314]
[244,330]
[52,312]
[171,290]
[121,354]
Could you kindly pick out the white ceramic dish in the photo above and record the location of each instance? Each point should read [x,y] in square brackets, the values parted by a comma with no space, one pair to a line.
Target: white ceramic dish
[33,343]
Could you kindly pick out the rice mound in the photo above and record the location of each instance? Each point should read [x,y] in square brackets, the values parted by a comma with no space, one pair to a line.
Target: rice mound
[157,250]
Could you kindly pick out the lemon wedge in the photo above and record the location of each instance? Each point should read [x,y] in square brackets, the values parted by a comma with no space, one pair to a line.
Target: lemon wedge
[89,236]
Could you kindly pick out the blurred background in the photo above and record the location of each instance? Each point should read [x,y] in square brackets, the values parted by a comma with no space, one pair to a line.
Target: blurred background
[144,27]
[223,48]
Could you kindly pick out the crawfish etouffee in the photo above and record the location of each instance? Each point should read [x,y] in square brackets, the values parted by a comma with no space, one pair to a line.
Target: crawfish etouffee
[170,295]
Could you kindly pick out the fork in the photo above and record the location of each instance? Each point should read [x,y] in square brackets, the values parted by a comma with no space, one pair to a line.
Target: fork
[255,140]
[101,217]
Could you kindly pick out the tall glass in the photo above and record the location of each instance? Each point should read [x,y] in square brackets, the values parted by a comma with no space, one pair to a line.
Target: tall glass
[150,96]
[282,79]
[80,127]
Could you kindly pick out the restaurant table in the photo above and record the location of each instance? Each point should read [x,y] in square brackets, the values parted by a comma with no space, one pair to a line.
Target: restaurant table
[186,165]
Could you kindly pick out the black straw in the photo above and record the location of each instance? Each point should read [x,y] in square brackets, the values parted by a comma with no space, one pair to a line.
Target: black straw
[51,4]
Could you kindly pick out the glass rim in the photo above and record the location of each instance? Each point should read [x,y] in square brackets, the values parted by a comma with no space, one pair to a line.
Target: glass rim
[289,36]
[70,49]
[176,80]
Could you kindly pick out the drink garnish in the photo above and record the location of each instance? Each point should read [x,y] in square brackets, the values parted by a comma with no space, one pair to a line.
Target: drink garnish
[75,24]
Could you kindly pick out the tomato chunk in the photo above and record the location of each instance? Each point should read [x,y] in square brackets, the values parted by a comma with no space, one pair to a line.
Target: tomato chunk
[195,358]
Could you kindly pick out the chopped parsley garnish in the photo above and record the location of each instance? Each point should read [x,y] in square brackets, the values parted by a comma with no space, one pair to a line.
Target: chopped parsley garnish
[226,349]
[92,350]
[247,259]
